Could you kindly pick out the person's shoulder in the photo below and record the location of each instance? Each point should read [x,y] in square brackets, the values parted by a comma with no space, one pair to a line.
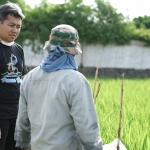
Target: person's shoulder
[17,45]
[73,75]
[72,72]
[19,48]
[35,70]
[32,73]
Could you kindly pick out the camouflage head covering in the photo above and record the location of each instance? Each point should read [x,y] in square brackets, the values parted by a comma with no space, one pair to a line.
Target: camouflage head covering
[66,37]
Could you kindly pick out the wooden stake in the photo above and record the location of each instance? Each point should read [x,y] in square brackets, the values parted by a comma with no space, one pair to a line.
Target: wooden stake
[120,120]
[96,75]
[99,87]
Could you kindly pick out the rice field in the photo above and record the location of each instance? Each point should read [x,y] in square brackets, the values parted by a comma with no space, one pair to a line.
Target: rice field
[135,131]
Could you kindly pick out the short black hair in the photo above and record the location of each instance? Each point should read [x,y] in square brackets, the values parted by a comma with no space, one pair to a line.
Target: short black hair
[10,9]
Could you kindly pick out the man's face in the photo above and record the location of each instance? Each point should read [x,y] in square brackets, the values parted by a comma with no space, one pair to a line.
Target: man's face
[10,28]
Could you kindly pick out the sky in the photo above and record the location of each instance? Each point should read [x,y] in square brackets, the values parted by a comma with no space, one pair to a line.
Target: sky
[130,8]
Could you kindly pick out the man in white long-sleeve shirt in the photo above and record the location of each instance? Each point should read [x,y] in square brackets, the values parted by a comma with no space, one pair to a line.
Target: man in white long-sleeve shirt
[56,109]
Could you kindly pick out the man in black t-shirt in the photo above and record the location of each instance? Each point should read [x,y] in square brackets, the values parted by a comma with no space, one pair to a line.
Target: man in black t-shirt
[12,70]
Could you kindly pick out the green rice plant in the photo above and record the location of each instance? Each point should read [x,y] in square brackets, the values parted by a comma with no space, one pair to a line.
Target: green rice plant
[135,132]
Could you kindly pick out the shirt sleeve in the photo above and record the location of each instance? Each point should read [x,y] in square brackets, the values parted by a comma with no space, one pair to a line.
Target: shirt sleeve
[25,70]
[22,131]
[85,118]
[21,52]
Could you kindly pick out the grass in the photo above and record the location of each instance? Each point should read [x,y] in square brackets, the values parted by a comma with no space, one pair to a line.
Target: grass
[135,132]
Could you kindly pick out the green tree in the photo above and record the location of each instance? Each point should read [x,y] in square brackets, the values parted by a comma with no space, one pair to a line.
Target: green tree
[111,25]
[95,24]
[142,21]
[21,3]
[142,29]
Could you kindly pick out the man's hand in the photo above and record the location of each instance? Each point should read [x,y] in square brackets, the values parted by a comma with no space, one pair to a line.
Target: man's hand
[23,77]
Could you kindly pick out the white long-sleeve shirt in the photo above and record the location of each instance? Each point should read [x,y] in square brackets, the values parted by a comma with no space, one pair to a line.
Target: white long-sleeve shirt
[56,112]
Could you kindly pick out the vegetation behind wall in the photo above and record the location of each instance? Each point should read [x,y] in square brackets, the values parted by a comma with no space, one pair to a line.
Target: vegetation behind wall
[96,24]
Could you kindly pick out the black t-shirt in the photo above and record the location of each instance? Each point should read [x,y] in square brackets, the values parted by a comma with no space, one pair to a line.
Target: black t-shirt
[12,68]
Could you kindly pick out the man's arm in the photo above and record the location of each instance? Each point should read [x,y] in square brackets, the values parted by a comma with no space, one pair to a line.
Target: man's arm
[22,130]
[85,118]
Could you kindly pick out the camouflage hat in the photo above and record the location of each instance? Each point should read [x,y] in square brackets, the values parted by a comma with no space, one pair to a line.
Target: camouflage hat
[66,37]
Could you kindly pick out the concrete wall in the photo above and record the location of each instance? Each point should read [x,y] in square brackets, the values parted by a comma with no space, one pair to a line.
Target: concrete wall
[133,56]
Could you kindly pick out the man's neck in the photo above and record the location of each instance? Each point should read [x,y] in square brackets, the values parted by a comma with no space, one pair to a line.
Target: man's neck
[7,43]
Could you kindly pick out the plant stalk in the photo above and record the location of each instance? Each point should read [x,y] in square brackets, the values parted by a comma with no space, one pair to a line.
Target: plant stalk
[121,102]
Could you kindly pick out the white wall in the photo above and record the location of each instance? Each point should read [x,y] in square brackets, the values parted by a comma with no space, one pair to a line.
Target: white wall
[133,56]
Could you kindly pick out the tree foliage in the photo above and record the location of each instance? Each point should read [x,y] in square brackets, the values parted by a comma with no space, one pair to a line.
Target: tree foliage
[142,21]
[142,29]
[95,24]
[25,8]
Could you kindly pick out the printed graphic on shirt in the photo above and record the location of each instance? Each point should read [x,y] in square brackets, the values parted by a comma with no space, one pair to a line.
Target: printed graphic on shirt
[12,75]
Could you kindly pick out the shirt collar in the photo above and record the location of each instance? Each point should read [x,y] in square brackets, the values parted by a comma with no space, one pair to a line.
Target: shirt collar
[7,43]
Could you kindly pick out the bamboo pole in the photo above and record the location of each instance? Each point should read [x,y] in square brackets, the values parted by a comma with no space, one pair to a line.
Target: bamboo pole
[96,75]
[120,115]
[98,90]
